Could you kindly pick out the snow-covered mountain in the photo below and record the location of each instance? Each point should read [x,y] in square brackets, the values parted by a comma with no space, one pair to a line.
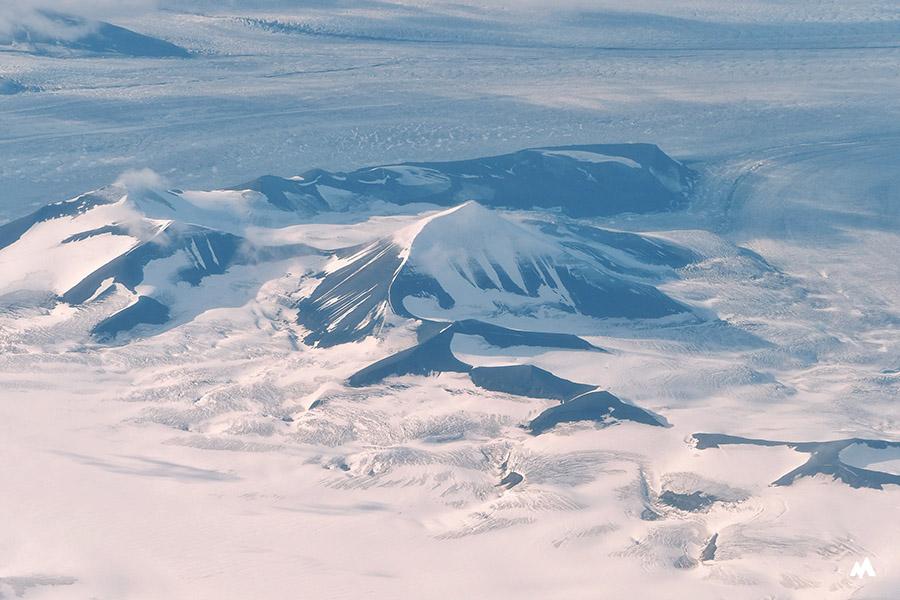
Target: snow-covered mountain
[474,355]
[131,255]
[469,262]
[493,365]
[586,180]
[57,34]
[129,250]
[135,253]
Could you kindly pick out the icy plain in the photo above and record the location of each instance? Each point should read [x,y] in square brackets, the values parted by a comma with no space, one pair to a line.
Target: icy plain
[220,455]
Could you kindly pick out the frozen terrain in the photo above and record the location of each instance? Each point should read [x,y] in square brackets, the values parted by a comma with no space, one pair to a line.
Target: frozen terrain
[443,300]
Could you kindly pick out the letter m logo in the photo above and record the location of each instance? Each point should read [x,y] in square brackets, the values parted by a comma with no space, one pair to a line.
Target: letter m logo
[862,569]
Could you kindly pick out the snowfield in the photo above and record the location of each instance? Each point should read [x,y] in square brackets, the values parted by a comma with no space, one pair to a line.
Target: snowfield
[443,300]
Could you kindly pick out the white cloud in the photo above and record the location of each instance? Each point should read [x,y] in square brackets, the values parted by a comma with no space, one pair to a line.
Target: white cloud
[139,180]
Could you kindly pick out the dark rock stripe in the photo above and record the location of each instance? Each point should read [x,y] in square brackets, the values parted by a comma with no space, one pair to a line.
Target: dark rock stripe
[824,459]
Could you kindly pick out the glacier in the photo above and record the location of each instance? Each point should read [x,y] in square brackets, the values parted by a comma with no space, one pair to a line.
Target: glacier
[437,299]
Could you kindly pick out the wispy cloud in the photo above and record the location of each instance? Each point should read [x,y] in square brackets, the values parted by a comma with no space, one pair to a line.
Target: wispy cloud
[139,180]
[33,15]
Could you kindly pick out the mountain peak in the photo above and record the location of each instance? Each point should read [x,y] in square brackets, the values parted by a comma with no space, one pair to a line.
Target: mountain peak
[469,262]
[480,226]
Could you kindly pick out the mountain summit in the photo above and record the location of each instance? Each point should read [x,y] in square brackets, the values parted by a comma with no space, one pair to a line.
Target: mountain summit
[469,262]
